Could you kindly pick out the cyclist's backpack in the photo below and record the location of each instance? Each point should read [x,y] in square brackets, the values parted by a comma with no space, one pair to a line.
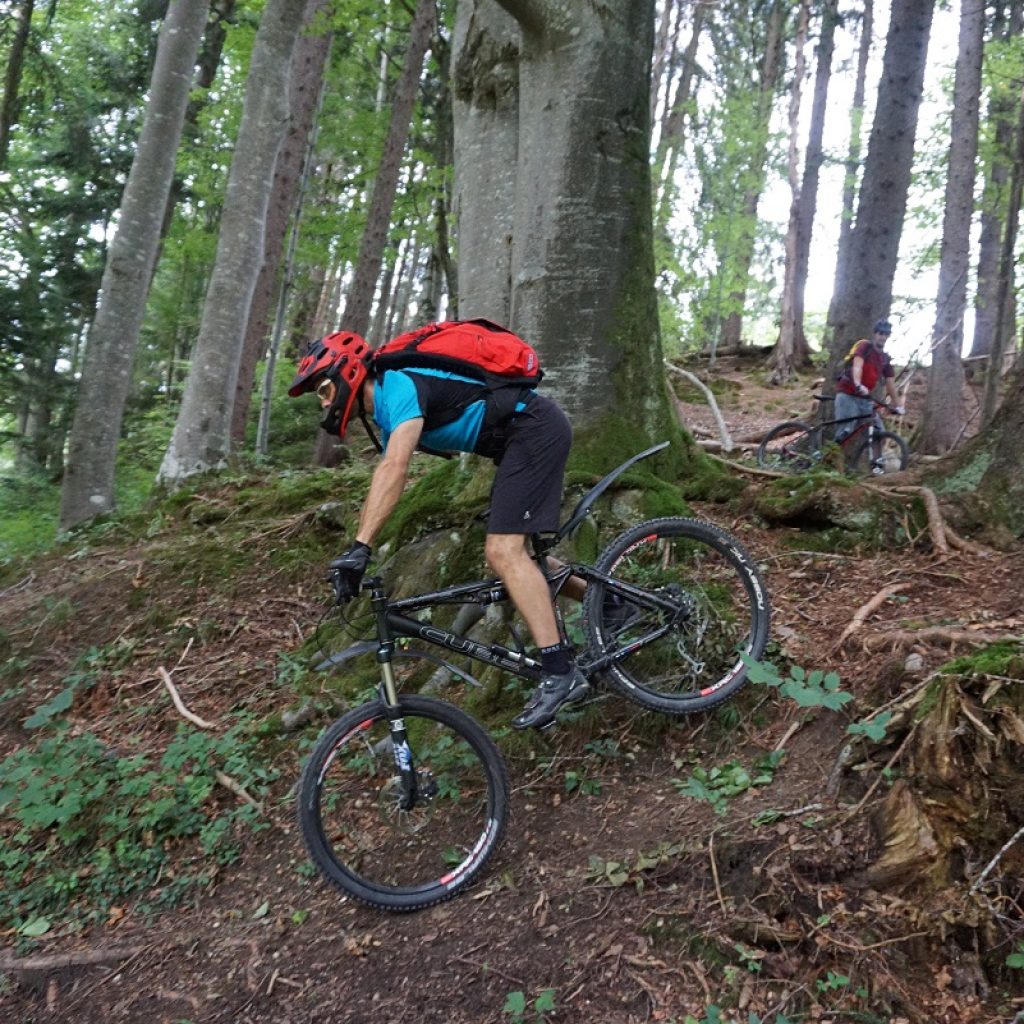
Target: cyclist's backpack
[473,348]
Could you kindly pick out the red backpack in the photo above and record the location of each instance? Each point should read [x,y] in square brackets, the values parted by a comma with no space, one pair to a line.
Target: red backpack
[473,348]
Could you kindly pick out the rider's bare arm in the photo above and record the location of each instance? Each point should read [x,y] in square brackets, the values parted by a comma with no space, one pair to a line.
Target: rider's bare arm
[389,479]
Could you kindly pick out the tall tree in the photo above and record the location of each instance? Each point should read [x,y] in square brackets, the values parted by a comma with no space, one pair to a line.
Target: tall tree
[359,302]
[88,487]
[581,272]
[22,17]
[807,198]
[849,194]
[945,412]
[741,255]
[785,355]
[202,433]
[485,105]
[1008,23]
[304,88]
[866,286]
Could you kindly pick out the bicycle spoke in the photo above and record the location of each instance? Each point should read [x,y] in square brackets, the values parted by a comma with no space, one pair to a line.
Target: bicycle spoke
[688,654]
[376,840]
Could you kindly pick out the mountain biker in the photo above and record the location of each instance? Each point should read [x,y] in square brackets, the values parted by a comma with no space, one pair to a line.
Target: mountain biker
[530,446]
[867,365]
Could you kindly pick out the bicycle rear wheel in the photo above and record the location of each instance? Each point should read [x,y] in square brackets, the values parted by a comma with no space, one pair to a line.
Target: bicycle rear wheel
[885,453]
[791,447]
[690,598]
[350,804]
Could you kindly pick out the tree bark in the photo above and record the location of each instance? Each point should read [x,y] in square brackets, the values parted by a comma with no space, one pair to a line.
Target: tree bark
[1001,110]
[945,412]
[787,353]
[88,487]
[866,287]
[378,221]
[852,160]
[807,207]
[22,16]
[202,434]
[304,90]
[485,105]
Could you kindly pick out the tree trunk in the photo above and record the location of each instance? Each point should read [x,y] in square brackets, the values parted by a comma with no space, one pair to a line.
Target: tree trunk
[866,286]
[807,207]
[785,356]
[582,260]
[485,104]
[22,16]
[1002,106]
[378,220]
[852,160]
[670,143]
[742,256]
[88,487]
[945,412]
[202,434]
[1004,334]
[304,90]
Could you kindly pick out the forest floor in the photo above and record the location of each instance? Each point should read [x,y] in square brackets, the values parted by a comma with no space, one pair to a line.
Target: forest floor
[623,904]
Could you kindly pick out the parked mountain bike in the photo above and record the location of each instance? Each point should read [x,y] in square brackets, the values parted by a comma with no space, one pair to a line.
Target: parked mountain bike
[403,800]
[798,447]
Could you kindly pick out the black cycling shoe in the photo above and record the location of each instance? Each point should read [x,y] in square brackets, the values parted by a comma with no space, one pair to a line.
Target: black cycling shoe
[553,692]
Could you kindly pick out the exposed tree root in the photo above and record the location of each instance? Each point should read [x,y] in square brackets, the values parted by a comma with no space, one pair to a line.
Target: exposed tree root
[860,616]
[63,961]
[903,638]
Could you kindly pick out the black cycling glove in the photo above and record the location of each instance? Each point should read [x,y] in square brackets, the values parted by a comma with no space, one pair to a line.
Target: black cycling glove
[347,571]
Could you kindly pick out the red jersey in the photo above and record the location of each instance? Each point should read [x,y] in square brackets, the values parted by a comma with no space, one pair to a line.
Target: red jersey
[877,365]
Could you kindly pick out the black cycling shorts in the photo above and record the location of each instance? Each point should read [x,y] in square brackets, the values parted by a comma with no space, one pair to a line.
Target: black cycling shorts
[527,492]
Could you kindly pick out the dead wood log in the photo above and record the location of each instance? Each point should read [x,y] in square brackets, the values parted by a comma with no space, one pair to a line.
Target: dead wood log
[865,610]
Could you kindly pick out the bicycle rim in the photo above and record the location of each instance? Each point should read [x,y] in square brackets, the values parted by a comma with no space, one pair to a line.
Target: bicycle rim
[790,448]
[351,814]
[887,453]
[715,612]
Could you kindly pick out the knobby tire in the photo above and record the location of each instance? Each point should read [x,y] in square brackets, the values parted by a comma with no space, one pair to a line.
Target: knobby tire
[352,823]
[717,613]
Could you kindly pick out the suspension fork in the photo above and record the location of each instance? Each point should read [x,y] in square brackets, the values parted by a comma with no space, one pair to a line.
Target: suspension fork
[388,691]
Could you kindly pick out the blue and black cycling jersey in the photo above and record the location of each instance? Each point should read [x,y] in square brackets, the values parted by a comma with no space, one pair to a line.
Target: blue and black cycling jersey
[453,408]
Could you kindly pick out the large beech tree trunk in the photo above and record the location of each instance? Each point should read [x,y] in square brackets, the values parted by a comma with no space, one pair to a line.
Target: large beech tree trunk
[202,434]
[945,412]
[88,488]
[580,277]
[866,286]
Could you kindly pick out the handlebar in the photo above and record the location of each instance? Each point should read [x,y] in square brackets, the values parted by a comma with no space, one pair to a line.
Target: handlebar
[878,405]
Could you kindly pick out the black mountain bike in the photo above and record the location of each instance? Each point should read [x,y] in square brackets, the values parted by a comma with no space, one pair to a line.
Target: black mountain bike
[798,447]
[404,799]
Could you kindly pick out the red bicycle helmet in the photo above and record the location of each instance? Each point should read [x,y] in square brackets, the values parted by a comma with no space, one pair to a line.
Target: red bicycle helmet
[344,358]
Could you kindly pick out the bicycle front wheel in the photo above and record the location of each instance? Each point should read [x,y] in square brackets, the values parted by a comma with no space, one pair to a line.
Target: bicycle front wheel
[684,603]
[884,453]
[361,828]
[791,447]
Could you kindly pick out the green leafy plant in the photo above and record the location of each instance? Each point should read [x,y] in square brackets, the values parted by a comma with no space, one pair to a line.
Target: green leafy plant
[1016,960]
[874,728]
[93,826]
[516,1007]
[719,785]
[815,689]
[582,783]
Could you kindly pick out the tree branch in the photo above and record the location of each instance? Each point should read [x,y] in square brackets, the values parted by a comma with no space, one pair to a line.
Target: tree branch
[723,430]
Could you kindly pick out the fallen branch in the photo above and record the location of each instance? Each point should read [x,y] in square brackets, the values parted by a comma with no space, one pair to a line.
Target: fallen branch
[750,470]
[933,634]
[866,609]
[980,880]
[723,430]
[180,704]
[238,789]
[62,961]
